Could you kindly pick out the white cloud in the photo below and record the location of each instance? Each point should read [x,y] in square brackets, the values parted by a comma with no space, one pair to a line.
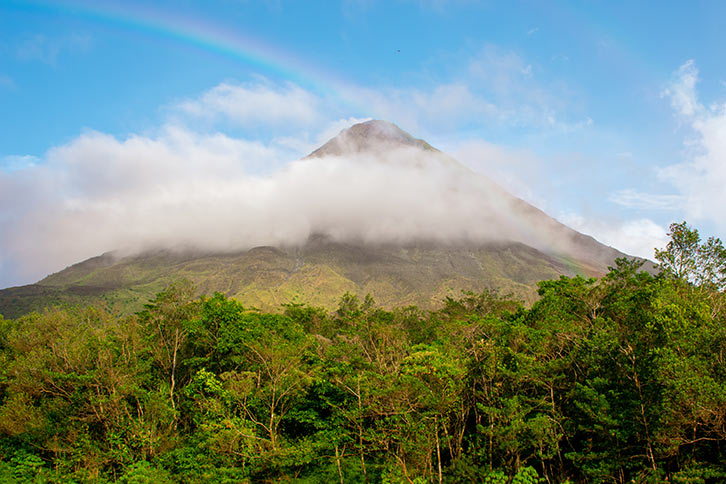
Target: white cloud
[639,237]
[701,178]
[256,103]
[682,92]
[97,193]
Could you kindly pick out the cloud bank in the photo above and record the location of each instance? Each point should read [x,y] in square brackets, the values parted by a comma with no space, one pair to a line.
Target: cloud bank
[184,190]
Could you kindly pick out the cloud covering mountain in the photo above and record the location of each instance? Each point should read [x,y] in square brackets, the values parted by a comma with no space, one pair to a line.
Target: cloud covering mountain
[182,190]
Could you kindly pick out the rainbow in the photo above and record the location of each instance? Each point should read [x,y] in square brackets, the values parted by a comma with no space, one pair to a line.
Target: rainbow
[205,36]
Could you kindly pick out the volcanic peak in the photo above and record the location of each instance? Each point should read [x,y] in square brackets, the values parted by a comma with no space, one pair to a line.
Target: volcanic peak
[369,136]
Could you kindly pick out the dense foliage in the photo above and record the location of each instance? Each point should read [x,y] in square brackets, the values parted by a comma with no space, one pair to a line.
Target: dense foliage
[617,380]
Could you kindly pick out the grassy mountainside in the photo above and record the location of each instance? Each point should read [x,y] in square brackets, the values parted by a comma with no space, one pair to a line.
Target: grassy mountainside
[317,273]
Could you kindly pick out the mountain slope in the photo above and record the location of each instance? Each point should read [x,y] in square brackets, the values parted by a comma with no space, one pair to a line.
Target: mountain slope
[317,273]
[505,243]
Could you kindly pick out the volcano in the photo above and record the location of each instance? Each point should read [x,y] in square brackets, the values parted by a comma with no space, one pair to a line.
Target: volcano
[445,229]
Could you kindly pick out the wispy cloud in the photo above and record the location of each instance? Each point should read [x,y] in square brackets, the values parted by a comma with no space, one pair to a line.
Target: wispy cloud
[682,91]
[436,5]
[512,83]
[647,201]
[40,48]
[497,88]
[46,49]
[638,237]
[701,178]
[6,82]
[255,103]
[517,170]
[18,162]
[442,107]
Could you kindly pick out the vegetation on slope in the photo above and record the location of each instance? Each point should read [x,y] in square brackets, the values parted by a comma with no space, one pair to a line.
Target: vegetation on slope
[316,274]
[617,380]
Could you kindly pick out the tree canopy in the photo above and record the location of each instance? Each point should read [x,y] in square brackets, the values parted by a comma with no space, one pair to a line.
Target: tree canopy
[621,379]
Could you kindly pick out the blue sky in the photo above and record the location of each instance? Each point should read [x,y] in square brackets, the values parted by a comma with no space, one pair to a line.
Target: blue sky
[608,115]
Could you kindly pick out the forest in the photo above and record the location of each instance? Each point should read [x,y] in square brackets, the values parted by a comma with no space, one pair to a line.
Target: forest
[615,380]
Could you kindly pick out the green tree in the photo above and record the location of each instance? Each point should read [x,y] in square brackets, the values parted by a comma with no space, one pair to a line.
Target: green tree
[687,258]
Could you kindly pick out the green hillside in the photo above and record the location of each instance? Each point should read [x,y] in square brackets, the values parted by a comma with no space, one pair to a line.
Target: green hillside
[317,273]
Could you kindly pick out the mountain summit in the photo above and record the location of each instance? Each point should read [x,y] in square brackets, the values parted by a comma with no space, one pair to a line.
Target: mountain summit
[389,216]
[374,135]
